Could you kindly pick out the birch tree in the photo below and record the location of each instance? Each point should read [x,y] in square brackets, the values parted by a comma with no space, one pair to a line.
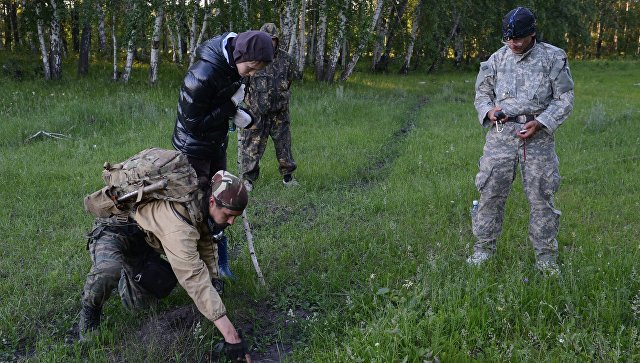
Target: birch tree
[55,49]
[364,39]
[337,42]
[133,20]
[302,41]
[43,45]
[155,43]
[412,39]
[321,31]
[102,34]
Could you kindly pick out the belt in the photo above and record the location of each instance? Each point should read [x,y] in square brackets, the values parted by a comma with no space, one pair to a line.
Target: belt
[521,119]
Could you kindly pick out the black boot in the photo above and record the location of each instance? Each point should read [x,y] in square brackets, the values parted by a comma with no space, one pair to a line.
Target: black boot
[89,321]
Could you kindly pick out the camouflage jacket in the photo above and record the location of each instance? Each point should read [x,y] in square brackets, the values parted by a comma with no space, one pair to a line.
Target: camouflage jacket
[537,82]
[268,89]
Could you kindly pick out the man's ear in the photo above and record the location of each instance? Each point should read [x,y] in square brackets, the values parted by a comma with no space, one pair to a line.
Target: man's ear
[212,201]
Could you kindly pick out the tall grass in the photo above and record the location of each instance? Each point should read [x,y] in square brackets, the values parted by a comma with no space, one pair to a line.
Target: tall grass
[365,259]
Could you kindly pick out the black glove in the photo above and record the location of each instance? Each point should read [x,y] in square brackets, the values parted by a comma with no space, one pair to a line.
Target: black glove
[233,352]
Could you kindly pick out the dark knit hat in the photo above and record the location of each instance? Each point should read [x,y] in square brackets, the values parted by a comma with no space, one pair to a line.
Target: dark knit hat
[229,191]
[518,23]
[253,46]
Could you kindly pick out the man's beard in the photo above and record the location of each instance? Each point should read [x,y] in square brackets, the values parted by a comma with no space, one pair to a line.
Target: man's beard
[216,229]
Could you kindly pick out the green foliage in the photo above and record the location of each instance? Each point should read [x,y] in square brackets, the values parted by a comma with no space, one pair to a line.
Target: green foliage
[365,259]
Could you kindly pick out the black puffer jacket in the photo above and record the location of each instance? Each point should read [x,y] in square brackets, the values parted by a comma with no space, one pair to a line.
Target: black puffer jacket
[205,106]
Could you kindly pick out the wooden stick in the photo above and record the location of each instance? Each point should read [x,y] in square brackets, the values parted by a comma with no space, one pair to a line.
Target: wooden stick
[252,251]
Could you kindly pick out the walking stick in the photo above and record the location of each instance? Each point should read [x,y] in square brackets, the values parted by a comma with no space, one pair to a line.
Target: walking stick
[245,220]
[252,251]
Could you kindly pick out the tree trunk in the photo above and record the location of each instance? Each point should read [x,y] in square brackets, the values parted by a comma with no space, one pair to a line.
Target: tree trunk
[381,33]
[321,39]
[131,46]
[56,57]
[192,33]
[205,21]
[412,41]
[302,41]
[114,40]
[288,26]
[363,42]
[75,29]
[395,24]
[445,44]
[244,9]
[102,34]
[43,46]
[339,37]
[172,40]
[155,44]
[85,46]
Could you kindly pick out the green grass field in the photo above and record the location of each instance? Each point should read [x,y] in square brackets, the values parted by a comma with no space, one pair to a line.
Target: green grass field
[365,260]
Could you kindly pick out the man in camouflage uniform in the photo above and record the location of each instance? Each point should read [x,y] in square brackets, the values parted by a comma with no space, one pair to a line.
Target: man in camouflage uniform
[524,92]
[268,99]
[118,245]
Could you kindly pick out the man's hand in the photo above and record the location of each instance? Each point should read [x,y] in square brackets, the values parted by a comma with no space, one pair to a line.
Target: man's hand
[529,129]
[496,114]
[238,97]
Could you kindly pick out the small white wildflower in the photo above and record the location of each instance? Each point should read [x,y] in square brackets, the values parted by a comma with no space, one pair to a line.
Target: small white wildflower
[373,276]
[291,314]
[377,344]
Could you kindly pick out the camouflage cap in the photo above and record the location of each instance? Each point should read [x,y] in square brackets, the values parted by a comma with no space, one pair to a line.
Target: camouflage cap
[229,191]
[271,29]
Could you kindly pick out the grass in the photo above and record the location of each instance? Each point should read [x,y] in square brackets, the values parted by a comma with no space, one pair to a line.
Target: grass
[365,260]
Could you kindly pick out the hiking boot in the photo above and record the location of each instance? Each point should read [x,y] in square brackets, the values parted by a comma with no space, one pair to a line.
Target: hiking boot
[478,258]
[89,321]
[548,267]
[289,181]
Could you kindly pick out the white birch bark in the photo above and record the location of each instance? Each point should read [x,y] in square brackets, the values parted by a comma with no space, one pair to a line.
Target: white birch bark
[128,64]
[114,40]
[244,8]
[302,41]
[192,33]
[102,34]
[321,39]
[335,50]
[205,21]
[380,35]
[56,56]
[43,46]
[172,40]
[363,42]
[155,44]
[412,40]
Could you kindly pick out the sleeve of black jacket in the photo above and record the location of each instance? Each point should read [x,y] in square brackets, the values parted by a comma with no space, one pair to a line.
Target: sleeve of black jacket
[205,100]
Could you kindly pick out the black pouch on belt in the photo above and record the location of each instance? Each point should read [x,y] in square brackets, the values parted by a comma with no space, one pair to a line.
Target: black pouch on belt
[156,276]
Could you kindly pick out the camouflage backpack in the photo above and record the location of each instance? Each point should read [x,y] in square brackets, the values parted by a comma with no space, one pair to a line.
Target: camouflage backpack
[151,174]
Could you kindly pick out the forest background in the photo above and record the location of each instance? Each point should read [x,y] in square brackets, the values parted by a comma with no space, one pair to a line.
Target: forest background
[365,260]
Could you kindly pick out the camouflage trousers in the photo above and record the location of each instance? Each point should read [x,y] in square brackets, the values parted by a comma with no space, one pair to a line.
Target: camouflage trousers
[503,152]
[254,142]
[116,249]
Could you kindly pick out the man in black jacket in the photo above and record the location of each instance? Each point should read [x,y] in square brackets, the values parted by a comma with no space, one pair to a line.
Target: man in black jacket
[211,94]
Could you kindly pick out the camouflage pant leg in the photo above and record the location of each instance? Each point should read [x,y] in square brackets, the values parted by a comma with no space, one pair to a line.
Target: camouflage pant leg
[497,171]
[541,179]
[254,143]
[281,136]
[110,248]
